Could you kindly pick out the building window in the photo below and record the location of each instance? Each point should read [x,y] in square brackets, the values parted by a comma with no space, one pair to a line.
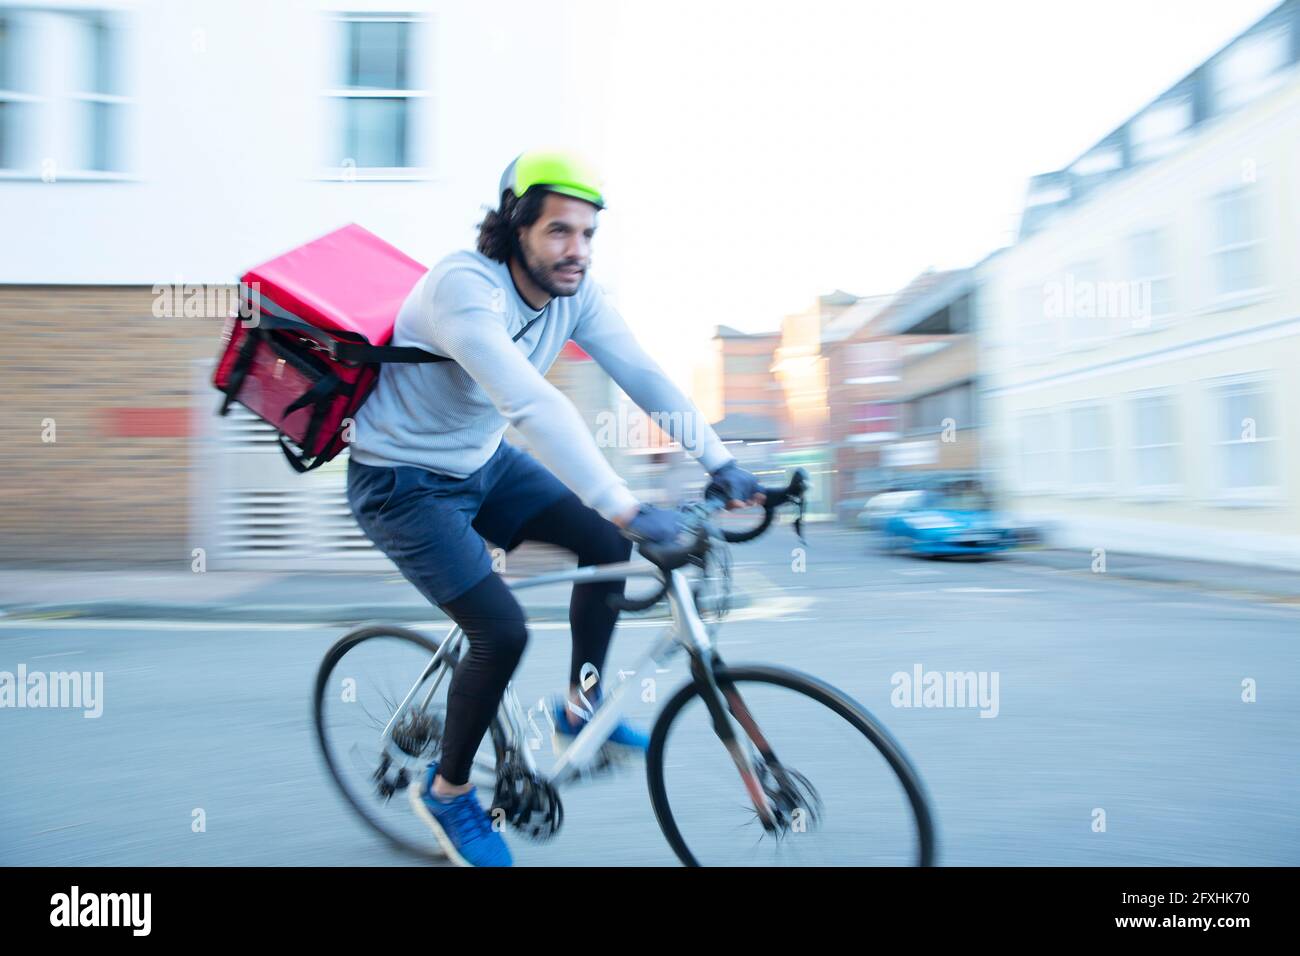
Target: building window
[1153,278]
[1155,444]
[1247,439]
[1238,250]
[62,108]
[1250,67]
[931,413]
[1089,448]
[97,94]
[870,363]
[1038,451]
[1161,129]
[377,95]
[875,419]
[11,100]
[1102,159]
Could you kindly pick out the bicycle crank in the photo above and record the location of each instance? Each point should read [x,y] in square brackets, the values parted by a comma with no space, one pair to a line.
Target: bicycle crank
[528,803]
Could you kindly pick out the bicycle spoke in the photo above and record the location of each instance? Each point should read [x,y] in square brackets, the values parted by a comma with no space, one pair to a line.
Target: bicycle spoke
[834,797]
[361,692]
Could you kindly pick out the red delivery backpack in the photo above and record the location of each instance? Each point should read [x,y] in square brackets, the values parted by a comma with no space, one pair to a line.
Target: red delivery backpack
[313,329]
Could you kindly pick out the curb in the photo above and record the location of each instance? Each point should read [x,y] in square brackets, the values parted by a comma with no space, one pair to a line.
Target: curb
[283,613]
[1148,576]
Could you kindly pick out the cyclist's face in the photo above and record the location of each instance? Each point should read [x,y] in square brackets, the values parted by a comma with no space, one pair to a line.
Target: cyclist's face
[557,247]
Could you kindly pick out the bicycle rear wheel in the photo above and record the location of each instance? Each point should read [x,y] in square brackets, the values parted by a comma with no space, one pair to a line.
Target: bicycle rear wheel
[847,794]
[380,709]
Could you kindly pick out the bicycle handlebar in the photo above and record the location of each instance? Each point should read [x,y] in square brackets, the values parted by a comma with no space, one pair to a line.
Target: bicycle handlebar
[668,557]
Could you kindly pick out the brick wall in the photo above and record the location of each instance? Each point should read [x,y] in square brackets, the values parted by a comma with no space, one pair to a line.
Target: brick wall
[116,381]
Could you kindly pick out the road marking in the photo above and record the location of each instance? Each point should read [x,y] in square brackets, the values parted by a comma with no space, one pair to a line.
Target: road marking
[764,609]
[91,624]
[41,657]
[991,590]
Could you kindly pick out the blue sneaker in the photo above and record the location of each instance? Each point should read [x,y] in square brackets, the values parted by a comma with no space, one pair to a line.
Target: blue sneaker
[462,826]
[626,736]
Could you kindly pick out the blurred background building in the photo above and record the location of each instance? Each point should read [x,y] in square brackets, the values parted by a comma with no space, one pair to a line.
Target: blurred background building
[149,153]
[1124,372]
[902,373]
[1141,341]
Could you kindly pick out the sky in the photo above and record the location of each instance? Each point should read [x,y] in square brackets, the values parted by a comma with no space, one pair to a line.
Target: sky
[757,154]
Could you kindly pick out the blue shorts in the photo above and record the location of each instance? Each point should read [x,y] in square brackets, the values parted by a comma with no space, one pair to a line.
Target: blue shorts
[436,528]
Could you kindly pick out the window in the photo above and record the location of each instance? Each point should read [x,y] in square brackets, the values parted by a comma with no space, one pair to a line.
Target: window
[62,112]
[868,363]
[11,101]
[1246,439]
[1250,67]
[929,412]
[1237,252]
[875,419]
[1089,447]
[1038,468]
[1149,255]
[1161,129]
[1103,159]
[1155,443]
[96,93]
[376,96]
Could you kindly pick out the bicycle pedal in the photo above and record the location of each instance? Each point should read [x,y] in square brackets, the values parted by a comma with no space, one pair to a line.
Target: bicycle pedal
[612,757]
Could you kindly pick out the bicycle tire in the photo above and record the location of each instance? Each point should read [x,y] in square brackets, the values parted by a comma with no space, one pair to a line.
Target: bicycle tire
[857,715]
[331,660]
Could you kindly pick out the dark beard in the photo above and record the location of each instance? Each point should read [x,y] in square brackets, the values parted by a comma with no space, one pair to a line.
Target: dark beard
[540,279]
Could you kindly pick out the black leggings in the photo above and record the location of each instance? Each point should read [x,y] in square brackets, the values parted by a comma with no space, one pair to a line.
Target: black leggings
[497,633]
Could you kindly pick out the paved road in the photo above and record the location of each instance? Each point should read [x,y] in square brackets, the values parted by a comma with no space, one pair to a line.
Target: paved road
[1111,695]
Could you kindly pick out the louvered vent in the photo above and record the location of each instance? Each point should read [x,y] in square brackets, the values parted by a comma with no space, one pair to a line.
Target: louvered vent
[265,524]
[269,517]
[242,429]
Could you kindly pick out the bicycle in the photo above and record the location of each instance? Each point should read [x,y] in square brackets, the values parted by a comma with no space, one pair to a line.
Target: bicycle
[778,796]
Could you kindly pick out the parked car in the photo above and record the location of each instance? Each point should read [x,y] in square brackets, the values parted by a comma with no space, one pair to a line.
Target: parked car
[881,507]
[948,519]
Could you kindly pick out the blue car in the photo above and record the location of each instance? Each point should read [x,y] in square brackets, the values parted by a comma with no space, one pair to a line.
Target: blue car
[940,522]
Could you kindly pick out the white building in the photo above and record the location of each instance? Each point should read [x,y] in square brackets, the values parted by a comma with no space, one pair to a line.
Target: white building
[152,142]
[1141,340]
[144,140]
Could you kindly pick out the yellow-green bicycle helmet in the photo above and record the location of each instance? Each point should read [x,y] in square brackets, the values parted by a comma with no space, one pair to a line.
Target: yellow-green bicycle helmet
[554,171]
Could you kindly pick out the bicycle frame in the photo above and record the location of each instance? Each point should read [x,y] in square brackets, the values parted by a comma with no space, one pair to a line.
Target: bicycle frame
[686,630]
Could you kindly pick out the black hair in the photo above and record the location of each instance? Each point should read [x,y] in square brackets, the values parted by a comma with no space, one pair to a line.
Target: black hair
[498,233]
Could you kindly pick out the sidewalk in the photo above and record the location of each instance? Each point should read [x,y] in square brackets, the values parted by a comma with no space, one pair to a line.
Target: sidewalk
[263,596]
[1210,576]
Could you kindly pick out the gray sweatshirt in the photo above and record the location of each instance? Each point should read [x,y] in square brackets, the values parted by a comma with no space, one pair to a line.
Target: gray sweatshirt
[449,417]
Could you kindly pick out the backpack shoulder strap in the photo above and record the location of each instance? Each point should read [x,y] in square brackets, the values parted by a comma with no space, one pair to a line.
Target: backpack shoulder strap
[361,352]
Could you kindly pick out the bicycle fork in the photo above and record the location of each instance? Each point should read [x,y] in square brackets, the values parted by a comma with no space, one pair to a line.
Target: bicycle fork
[705,661]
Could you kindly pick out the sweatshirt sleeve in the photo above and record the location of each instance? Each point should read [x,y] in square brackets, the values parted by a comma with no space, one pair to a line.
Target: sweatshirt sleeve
[465,326]
[603,333]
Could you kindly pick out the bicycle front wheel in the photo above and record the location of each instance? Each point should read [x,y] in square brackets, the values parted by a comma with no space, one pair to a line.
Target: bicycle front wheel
[842,790]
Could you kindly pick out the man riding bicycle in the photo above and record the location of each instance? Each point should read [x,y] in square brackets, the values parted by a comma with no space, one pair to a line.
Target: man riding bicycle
[430,479]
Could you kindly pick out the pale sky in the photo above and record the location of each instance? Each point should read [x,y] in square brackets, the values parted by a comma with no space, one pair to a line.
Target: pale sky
[757,154]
